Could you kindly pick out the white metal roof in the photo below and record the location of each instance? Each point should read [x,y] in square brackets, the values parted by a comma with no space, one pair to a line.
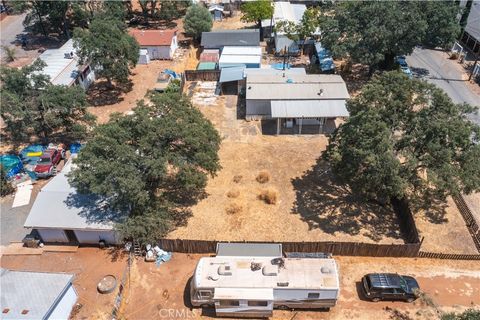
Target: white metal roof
[308,109]
[248,51]
[239,59]
[62,71]
[243,294]
[59,206]
[37,292]
[287,11]
[473,21]
[299,273]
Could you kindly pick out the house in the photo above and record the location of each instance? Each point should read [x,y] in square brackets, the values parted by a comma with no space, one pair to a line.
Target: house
[36,295]
[160,44]
[64,68]
[297,103]
[232,79]
[61,214]
[471,33]
[217,11]
[220,38]
[285,11]
[248,57]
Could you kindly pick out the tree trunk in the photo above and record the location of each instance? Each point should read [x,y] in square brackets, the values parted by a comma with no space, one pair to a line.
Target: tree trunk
[41,21]
[388,61]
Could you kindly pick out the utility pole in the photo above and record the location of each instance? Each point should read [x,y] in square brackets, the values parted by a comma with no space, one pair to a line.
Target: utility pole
[473,68]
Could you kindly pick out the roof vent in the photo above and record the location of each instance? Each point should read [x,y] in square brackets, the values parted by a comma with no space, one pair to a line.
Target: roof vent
[68,55]
[269,270]
[24,311]
[326,270]
[224,270]
[5,310]
[282,284]
[255,266]
[320,93]
[289,80]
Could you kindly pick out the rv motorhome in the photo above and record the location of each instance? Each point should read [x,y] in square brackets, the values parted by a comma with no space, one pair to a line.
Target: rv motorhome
[249,280]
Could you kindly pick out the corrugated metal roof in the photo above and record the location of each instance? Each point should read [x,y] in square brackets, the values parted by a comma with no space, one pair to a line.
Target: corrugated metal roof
[282,42]
[239,59]
[62,71]
[221,38]
[296,91]
[292,77]
[207,66]
[473,21]
[247,51]
[273,72]
[232,74]
[308,109]
[37,292]
[273,250]
[58,205]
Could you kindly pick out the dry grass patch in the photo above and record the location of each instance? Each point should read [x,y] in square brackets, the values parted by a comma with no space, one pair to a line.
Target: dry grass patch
[263,177]
[270,196]
[237,178]
[233,208]
[234,193]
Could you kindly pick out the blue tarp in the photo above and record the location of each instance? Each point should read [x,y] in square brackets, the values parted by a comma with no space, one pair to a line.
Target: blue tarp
[12,165]
[324,58]
[171,72]
[75,147]
[279,66]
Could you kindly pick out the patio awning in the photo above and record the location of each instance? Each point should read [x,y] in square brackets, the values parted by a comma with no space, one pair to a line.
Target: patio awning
[308,108]
[231,74]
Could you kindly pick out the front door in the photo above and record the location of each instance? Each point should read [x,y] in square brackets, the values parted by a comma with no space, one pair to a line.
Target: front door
[72,237]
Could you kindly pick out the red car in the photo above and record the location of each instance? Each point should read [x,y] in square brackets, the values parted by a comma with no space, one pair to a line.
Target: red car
[47,162]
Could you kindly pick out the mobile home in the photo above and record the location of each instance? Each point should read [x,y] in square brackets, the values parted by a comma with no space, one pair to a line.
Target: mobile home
[250,280]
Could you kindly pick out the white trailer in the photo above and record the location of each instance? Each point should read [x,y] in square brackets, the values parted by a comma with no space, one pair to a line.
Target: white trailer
[259,279]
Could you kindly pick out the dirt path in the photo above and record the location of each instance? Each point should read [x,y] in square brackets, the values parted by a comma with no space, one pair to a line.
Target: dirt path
[449,286]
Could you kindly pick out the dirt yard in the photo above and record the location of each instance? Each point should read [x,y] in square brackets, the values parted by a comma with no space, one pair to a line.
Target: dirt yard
[105,102]
[450,285]
[232,23]
[89,266]
[444,230]
[307,204]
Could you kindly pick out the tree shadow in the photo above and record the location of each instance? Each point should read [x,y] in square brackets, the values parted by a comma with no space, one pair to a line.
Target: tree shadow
[325,204]
[117,253]
[434,207]
[420,72]
[37,42]
[102,94]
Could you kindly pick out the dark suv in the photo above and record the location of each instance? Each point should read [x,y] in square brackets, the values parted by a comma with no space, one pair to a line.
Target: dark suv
[389,286]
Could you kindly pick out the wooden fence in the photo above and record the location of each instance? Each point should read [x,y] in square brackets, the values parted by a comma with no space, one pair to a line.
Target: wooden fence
[202,75]
[336,248]
[450,256]
[467,215]
[407,222]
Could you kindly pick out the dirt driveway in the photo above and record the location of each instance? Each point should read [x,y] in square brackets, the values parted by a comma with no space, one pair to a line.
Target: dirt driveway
[162,293]
[89,265]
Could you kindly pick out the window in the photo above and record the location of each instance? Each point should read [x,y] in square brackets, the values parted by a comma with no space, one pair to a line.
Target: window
[388,291]
[313,295]
[257,303]
[229,303]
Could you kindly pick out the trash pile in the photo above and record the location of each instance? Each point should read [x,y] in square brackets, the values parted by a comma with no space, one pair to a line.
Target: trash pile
[158,255]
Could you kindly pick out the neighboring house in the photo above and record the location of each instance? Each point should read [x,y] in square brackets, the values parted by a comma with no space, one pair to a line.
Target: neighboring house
[220,38]
[284,11]
[471,34]
[36,295]
[247,57]
[63,67]
[160,44]
[217,11]
[60,214]
[298,103]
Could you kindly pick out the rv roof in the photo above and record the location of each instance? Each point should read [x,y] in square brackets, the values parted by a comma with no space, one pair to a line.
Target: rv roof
[236,272]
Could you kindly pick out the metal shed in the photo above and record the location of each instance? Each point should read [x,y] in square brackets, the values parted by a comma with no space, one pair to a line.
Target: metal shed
[36,295]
